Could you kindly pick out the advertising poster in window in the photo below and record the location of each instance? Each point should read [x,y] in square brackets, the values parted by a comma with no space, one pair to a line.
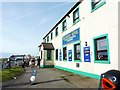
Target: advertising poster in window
[70,55]
[60,55]
[87,54]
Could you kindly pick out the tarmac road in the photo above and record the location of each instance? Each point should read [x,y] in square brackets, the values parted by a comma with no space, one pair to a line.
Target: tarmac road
[51,78]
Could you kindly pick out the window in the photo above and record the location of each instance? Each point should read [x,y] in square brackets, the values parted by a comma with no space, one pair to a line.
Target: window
[51,36]
[95,4]
[65,53]
[47,38]
[56,31]
[56,54]
[64,25]
[76,16]
[77,52]
[49,56]
[101,49]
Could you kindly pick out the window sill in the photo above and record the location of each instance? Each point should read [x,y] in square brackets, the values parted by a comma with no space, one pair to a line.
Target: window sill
[101,4]
[65,60]
[77,60]
[64,30]
[76,21]
[102,62]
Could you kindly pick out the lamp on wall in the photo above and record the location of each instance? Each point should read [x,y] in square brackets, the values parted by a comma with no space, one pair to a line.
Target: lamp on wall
[85,43]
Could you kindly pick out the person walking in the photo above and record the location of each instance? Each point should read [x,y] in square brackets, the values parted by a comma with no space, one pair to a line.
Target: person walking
[38,62]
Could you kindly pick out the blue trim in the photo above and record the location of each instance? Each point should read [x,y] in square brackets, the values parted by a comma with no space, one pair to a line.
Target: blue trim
[63,24]
[74,22]
[74,52]
[98,6]
[79,72]
[108,50]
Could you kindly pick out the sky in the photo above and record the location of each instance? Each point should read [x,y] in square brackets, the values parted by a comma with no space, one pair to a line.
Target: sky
[24,24]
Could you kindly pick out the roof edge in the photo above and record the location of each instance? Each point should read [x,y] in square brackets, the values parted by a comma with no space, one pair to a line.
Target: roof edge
[67,14]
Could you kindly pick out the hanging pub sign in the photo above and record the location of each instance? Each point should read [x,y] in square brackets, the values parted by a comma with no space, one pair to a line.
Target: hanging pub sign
[87,54]
[70,55]
[71,37]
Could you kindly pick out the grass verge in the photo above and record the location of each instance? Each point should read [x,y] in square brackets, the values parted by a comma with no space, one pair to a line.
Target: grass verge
[8,74]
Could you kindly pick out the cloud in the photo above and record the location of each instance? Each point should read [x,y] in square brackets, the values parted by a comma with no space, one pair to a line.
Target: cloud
[39,0]
[33,13]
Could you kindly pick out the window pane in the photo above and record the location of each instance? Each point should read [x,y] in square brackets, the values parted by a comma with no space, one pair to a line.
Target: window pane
[56,33]
[102,55]
[64,25]
[101,48]
[56,54]
[65,53]
[51,36]
[101,44]
[77,51]
[77,48]
[48,54]
[78,57]
[76,15]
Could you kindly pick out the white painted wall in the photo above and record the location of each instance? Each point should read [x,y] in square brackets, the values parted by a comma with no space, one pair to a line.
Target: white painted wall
[104,20]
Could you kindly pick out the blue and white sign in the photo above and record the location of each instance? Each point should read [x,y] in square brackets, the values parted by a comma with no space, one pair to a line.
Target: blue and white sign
[71,37]
[87,54]
[60,55]
[70,55]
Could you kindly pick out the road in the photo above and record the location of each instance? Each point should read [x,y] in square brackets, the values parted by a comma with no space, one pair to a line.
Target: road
[51,78]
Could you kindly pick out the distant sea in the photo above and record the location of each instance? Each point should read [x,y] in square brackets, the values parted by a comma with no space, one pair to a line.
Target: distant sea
[5,55]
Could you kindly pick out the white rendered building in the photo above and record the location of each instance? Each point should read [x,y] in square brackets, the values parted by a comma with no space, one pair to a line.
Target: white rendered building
[85,40]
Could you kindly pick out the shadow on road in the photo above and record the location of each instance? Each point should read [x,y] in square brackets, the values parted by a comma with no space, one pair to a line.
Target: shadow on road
[27,83]
[47,81]
[16,84]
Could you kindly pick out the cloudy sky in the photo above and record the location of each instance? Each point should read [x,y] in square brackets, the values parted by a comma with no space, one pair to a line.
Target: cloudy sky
[24,24]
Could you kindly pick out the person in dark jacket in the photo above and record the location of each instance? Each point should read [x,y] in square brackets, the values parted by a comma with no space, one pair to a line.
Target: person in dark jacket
[38,62]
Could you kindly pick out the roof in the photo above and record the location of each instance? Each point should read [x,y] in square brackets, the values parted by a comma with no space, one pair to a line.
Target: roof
[48,46]
[64,17]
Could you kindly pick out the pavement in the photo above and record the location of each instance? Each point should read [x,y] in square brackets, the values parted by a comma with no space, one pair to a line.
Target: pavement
[51,78]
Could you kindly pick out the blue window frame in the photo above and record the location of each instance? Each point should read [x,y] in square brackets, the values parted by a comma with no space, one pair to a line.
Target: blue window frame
[51,35]
[49,54]
[56,54]
[101,49]
[95,4]
[65,53]
[64,25]
[56,32]
[47,38]
[76,17]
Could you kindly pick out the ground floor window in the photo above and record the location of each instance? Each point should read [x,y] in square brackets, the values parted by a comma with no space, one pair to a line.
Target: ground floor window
[56,54]
[101,47]
[77,51]
[64,53]
[49,54]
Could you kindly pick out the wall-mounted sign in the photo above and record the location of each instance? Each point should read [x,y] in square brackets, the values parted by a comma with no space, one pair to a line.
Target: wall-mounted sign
[70,55]
[87,54]
[60,55]
[71,37]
